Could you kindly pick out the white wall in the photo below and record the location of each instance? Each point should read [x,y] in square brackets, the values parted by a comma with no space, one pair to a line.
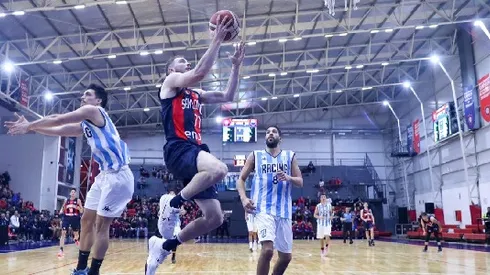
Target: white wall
[22,157]
[31,161]
[452,191]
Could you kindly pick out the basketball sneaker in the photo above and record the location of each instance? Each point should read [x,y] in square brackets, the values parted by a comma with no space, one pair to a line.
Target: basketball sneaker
[60,254]
[168,219]
[156,255]
[80,272]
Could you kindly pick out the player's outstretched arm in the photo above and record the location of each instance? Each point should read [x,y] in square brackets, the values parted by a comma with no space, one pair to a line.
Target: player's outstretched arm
[69,130]
[247,203]
[194,76]
[87,112]
[231,87]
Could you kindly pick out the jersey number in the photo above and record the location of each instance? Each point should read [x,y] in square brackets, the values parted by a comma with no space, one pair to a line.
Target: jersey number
[263,233]
[197,122]
[88,133]
[274,180]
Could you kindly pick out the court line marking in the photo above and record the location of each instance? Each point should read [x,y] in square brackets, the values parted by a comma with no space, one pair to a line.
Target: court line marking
[302,272]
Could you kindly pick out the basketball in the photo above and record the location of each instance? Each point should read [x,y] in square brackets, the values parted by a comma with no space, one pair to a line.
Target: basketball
[235,27]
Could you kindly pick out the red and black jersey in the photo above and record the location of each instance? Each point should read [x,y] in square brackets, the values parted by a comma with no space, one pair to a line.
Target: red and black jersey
[71,208]
[429,223]
[367,215]
[181,116]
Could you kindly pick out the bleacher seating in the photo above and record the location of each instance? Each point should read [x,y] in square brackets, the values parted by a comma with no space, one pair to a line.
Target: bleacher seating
[471,233]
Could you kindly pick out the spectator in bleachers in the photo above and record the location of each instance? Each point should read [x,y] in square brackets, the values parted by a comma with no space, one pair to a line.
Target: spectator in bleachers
[309,230]
[142,226]
[15,223]
[3,220]
[55,228]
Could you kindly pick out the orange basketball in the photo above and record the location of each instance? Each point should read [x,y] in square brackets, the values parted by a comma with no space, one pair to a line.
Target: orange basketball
[235,27]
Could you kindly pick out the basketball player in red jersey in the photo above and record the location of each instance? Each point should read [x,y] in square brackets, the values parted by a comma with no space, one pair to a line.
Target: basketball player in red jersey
[186,157]
[368,219]
[71,212]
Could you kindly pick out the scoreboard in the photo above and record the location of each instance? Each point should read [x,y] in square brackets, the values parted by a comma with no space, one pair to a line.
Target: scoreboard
[239,160]
[444,120]
[239,130]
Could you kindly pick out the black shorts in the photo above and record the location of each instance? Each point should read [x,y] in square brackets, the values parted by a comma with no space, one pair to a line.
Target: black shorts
[433,229]
[71,221]
[181,160]
[368,225]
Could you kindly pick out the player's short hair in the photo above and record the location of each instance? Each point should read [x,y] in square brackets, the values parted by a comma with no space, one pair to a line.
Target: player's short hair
[277,128]
[173,188]
[100,93]
[423,214]
[73,189]
[170,61]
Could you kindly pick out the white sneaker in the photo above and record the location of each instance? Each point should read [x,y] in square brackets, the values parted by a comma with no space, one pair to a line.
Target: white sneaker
[169,217]
[156,255]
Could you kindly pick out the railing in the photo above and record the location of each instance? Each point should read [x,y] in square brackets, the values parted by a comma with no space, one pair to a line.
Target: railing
[379,187]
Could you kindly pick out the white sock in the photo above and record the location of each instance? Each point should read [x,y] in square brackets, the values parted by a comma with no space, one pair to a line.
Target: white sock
[250,244]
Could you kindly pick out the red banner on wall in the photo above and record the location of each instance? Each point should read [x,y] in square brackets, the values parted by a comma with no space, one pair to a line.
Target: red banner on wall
[416,136]
[24,93]
[484,93]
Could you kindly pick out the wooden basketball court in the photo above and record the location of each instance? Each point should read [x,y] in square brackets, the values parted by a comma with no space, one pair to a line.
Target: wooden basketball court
[128,257]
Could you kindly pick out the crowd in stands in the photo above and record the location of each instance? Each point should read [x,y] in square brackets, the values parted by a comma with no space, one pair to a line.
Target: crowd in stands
[23,220]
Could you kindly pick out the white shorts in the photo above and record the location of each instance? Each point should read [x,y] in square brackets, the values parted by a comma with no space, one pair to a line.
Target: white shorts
[252,227]
[323,231]
[275,229]
[111,192]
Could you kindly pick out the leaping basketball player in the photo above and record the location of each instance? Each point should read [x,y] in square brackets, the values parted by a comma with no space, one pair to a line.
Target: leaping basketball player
[431,225]
[323,214]
[276,171]
[186,157]
[368,220]
[252,231]
[113,187]
[71,210]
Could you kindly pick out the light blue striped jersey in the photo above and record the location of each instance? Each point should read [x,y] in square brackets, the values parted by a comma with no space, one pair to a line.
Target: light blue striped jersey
[324,210]
[271,196]
[108,149]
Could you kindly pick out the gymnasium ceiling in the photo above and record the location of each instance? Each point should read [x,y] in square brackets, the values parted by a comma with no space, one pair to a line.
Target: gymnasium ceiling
[125,46]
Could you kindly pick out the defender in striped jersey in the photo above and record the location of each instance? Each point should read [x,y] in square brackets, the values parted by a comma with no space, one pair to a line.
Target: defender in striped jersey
[186,157]
[276,171]
[323,214]
[113,187]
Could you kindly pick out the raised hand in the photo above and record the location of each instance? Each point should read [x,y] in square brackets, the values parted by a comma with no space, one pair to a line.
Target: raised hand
[222,28]
[237,57]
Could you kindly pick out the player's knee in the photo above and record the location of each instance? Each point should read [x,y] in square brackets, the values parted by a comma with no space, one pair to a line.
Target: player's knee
[285,257]
[87,223]
[219,171]
[216,220]
[267,252]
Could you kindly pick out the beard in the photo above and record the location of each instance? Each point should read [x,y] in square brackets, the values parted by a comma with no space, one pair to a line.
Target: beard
[271,142]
